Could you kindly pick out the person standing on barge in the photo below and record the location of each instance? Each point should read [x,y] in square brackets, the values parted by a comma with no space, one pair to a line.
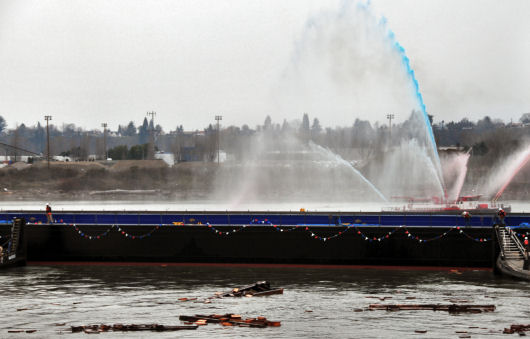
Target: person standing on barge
[49,214]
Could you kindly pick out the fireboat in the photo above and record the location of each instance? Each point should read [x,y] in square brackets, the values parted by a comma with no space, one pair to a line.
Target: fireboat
[468,203]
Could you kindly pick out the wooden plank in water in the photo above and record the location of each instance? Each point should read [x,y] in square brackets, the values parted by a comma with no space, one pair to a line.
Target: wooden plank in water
[452,308]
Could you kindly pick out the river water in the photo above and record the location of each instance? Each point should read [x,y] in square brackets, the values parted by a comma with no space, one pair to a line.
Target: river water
[318,302]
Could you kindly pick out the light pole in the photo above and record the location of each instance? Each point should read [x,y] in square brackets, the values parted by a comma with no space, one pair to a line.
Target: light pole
[151,150]
[390,117]
[48,118]
[104,125]
[218,118]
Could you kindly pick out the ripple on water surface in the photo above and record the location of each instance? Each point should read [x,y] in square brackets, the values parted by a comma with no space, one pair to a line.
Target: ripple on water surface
[316,302]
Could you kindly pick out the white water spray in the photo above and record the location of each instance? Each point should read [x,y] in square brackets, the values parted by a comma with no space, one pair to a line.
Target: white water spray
[341,161]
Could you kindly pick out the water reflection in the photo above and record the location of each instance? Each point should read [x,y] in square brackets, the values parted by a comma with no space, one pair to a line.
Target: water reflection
[144,294]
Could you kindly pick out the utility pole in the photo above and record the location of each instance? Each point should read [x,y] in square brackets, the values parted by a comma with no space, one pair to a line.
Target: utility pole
[104,125]
[48,118]
[390,117]
[218,118]
[151,149]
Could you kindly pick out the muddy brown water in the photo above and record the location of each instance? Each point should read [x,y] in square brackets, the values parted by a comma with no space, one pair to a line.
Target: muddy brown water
[317,302]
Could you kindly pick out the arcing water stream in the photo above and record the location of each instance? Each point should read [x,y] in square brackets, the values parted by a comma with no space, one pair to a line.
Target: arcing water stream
[400,50]
[340,160]
[518,161]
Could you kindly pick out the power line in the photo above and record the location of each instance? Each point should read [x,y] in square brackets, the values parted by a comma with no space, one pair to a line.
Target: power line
[17,148]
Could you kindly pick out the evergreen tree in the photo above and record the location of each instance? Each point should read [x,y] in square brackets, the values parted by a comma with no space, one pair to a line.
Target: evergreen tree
[267,124]
[130,130]
[118,152]
[316,128]
[305,124]
[3,124]
[304,128]
[285,126]
[143,132]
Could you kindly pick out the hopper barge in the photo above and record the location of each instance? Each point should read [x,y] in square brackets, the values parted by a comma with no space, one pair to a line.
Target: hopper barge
[340,238]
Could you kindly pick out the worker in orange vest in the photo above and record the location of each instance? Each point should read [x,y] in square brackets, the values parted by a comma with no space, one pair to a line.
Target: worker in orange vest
[49,214]
[501,214]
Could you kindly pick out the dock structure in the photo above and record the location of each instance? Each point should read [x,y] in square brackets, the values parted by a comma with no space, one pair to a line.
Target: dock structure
[513,257]
[13,248]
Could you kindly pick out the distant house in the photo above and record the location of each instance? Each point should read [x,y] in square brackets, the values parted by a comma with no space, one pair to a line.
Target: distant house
[61,158]
[168,158]
[21,158]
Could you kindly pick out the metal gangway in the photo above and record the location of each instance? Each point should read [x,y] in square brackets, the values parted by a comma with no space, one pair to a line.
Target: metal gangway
[513,258]
[510,246]
[13,249]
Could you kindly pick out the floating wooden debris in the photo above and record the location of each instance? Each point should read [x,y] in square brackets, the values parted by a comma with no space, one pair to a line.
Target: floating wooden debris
[229,320]
[259,289]
[452,308]
[516,328]
[133,327]
[21,331]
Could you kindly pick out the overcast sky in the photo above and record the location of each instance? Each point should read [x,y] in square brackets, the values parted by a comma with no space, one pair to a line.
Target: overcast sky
[94,61]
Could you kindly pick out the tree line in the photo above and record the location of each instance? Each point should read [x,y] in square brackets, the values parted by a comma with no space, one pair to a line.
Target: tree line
[486,136]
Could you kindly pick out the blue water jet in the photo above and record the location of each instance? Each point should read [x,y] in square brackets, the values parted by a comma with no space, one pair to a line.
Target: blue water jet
[365,6]
[410,72]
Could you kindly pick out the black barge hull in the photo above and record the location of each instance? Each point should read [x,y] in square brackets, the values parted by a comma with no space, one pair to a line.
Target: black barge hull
[383,238]
[262,244]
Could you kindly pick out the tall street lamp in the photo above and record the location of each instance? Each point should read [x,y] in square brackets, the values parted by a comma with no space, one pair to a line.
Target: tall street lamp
[104,125]
[390,117]
[151,149]
[218,118]
[48,118]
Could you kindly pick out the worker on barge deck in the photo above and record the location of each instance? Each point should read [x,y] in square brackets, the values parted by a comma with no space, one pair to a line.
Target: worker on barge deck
[501,214]
[49,214]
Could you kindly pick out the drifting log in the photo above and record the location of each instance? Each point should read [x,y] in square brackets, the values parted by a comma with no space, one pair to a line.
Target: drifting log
[131,327]
[452,308]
